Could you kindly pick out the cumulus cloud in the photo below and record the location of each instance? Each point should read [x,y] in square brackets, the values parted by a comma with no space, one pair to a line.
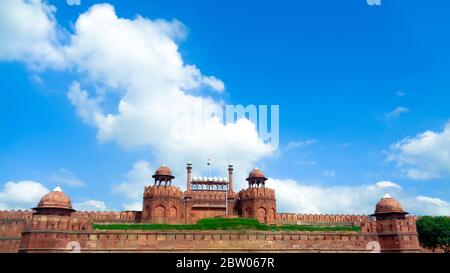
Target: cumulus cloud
[133,185]
[432,205]
[29,33]
[137,61]
[90,205]
[73,2]
[21,195]
[141,56]
[87,108]
[156,109]
[293,196]
[425,156]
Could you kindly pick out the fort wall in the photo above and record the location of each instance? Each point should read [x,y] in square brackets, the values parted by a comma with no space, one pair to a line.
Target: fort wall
[10,234]
[26,232]
[202,241]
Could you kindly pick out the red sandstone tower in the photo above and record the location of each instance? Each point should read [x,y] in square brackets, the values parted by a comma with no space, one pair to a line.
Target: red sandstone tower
[257,201]
[162,201]
[396,232]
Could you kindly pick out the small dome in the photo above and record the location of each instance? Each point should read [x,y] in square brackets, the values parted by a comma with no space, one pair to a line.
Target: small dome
[387,204]
[163,171]
[256,173]
[55,199]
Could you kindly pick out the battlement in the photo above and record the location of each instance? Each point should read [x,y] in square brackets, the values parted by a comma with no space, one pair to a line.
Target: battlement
[162,191]
[260,193]
[53,222]
[16,214]
[110,216]
[318,218]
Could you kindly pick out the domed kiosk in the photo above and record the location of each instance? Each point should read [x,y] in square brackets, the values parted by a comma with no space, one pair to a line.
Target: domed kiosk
[163,176]
[389,209]
[256,178]
[55,202]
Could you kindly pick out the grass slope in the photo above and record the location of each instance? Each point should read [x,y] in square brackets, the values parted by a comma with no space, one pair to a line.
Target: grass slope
[224,224]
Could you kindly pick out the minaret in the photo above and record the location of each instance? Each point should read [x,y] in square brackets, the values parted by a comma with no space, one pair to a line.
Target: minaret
[230,177]
[189,171]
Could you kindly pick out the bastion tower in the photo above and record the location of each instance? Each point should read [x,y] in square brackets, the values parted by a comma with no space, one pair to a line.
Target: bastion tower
[162,201]
[257,201]
[396,232]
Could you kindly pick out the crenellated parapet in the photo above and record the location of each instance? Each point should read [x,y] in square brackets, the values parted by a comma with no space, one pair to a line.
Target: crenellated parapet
[16,214]
[56,222]
[110,216]
[162,191]
[257,193]
[319,218]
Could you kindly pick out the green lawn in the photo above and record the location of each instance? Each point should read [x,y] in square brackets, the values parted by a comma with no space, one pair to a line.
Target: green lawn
[224,224]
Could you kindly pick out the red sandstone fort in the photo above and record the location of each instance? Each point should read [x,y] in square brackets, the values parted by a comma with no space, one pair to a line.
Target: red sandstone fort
[54,226]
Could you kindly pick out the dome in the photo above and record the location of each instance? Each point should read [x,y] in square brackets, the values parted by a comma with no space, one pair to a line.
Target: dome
[163,171]
[56,199]
[256,173]
[387,204]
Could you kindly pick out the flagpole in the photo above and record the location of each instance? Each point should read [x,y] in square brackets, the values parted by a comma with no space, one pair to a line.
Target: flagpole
[208,162]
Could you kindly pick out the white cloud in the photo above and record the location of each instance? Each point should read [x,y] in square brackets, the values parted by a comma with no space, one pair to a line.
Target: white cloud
[73,2]
[431,200]
[305,162]
[433,205]
[90,205]
[425,156]
[21,195]
[396,113]
[297,144]
[135,181]
[296,197]
[156,109]
[29,33]
[387,184]
[66,177]
[137,206]
[87,108]
[138,60]
[329,173]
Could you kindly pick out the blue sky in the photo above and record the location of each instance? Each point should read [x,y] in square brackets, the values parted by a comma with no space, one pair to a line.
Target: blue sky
[357,86]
